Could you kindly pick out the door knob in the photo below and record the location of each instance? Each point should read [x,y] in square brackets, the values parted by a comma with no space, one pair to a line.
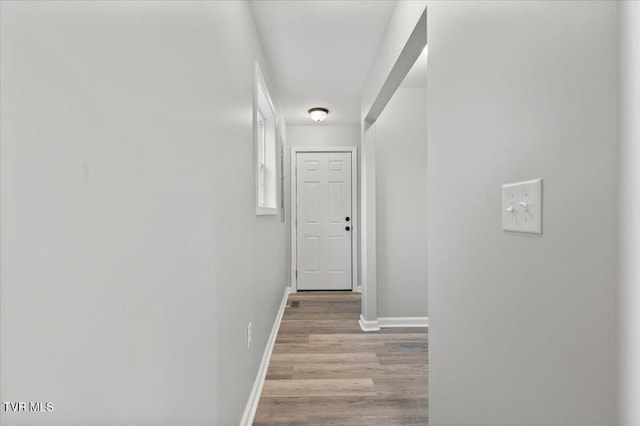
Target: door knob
[347,218]
[348,228]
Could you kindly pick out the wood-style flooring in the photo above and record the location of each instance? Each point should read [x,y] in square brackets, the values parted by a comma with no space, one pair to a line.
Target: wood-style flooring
[325,371]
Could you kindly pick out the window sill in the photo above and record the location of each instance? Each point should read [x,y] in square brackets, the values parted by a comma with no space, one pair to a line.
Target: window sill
[266,211]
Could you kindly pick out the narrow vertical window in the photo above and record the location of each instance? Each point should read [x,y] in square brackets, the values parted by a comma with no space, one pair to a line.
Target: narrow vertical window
[265,149]
[261,159]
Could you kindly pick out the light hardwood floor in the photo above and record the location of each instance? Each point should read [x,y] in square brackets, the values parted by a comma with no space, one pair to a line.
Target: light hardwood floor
[325,371]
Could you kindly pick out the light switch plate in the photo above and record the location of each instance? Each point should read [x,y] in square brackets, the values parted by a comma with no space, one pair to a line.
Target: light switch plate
[522,206]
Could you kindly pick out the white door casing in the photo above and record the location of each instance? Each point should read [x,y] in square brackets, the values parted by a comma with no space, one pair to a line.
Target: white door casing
[324,220]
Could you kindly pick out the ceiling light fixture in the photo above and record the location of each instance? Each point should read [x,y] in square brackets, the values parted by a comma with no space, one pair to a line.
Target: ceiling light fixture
[318,114]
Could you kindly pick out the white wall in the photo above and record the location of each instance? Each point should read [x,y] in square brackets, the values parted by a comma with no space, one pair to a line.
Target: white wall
[403,42]
[629,15]
[316,135]
[131,259]
[522,327]
[401,204]
[321,135]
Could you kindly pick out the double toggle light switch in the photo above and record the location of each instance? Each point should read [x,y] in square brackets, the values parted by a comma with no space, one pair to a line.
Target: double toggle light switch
[522,206]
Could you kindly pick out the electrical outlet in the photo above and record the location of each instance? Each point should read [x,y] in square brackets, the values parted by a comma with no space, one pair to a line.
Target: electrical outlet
[249,336]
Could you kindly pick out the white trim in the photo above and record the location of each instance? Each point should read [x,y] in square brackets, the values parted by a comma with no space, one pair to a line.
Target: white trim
[296,149]
[390,322]
[354,206]
[256,391]
[259,77]
[261,86]
[358,289]
[368,259]
[368,325]
[262,211]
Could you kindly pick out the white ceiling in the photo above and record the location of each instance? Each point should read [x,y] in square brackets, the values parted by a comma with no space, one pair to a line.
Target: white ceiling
[320,52]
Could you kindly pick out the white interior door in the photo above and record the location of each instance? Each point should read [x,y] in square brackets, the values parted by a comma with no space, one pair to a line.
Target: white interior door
[324,221]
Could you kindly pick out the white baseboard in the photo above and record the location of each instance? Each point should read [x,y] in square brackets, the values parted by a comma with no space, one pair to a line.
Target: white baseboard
[403,322]
[357,289]
[389,322]
[368,325]
[256,391]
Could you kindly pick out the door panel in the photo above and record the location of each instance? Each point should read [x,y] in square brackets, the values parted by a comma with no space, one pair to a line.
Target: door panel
[323,182]
[312,249]
[336,255]
[311,202]
[336,209]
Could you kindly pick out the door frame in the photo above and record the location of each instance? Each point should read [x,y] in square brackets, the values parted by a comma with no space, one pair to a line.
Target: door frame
[355,223]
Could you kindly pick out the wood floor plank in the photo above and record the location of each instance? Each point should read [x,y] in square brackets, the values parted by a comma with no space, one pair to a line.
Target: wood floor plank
[318,387]
[403,347]
[324,358]
[278,376]
[325,371]
[404,330]
[402,358]
[305,314]
[293,338]
[334,371]
[365,337]
[329,347]
[350,406]
[368,420]
[401,387]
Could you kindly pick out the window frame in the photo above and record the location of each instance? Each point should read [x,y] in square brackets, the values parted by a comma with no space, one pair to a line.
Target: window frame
[265,137]
[262,148]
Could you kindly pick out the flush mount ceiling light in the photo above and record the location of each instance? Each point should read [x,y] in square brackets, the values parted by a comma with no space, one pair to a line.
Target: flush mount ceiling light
[318,114]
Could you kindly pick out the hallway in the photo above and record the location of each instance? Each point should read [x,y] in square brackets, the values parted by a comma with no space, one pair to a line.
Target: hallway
[225,212]
[325,370]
